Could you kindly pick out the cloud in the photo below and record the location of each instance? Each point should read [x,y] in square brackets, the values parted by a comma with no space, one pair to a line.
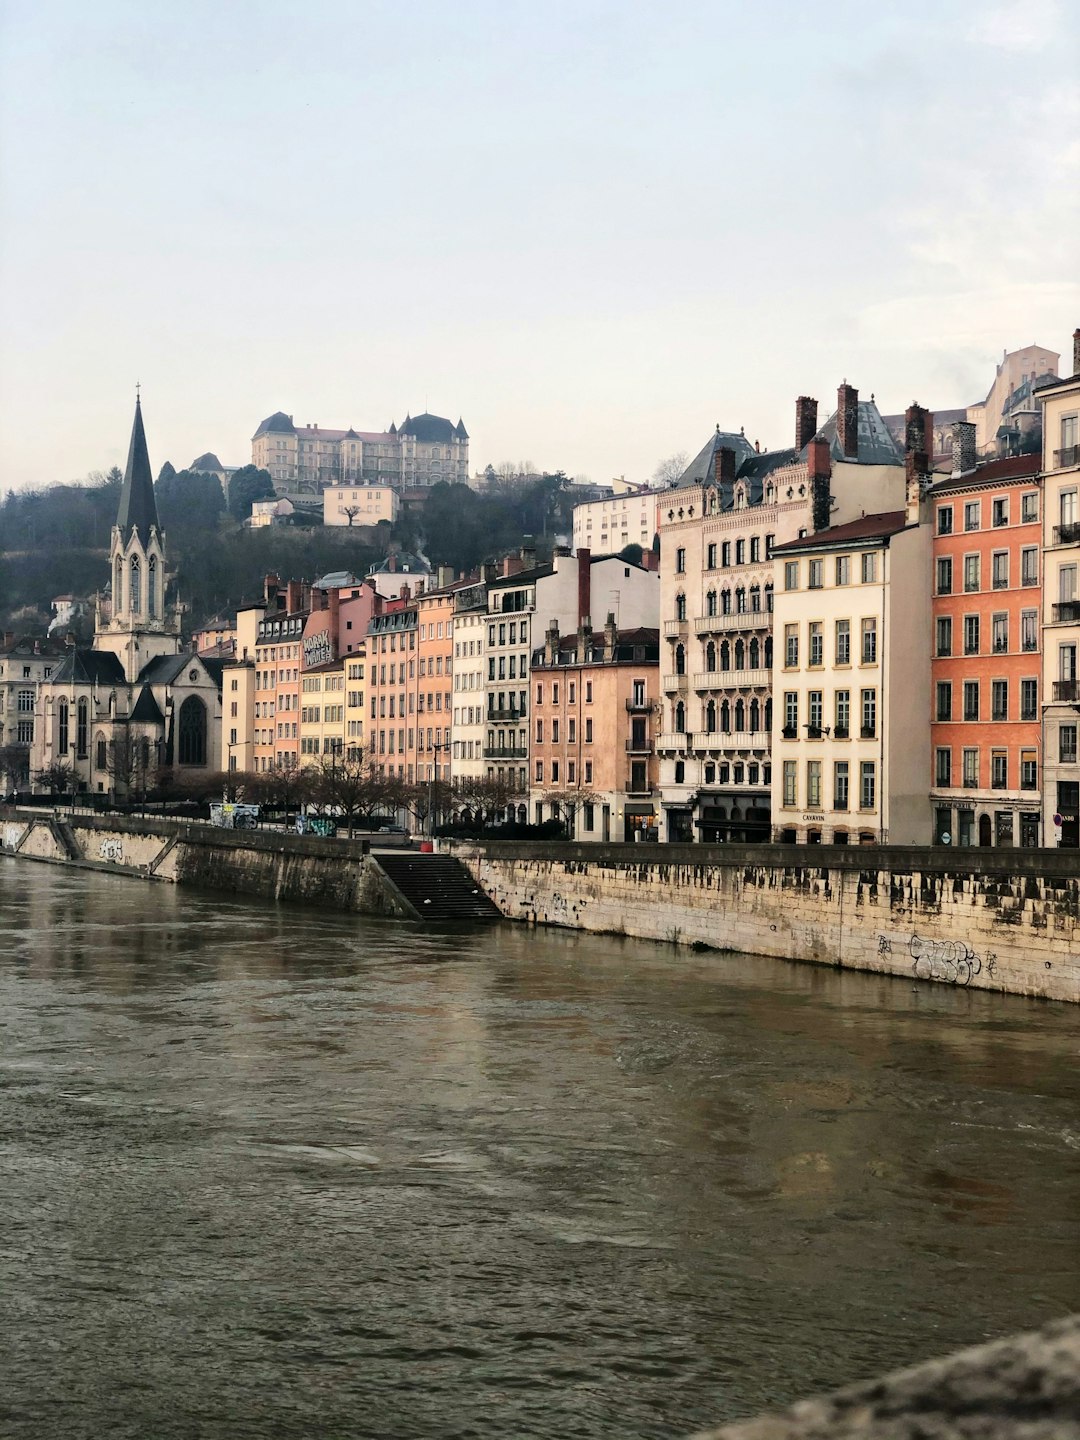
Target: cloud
[1009,28]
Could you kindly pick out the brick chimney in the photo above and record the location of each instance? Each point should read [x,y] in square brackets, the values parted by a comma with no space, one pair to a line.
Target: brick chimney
[847,421]
[963,447]
[528,552]
[335,617]
[918,428]
[584,585]
[551,643]
[819,471]
[1076,352]
[805,420]
[724,466]
[611,636]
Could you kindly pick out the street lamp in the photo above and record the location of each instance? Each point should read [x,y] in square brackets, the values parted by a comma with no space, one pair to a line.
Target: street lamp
[438,749]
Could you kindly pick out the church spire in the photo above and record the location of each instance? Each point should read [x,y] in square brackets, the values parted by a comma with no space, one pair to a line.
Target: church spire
[138,510]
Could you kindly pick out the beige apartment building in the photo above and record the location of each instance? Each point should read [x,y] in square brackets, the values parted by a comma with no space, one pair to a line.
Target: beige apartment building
[718,530]
[1061,607]
[608,526]
[360,505]
[423,451]
[322,712]
[850,731]
[469,705]
[1011,396]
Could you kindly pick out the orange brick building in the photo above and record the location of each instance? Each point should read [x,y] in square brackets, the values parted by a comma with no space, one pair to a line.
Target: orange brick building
[986,643]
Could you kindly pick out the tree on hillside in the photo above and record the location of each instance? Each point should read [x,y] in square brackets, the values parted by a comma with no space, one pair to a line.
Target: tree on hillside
[247,485]
[670,470]
[453,526]
[188,500]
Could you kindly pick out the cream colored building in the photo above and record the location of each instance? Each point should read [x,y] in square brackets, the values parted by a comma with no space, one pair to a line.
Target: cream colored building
[360,504]
[851,716]
[355,730]
[1061,608]
[322,712]
[423,451]
[1014,379]
[469,718]
[607,526]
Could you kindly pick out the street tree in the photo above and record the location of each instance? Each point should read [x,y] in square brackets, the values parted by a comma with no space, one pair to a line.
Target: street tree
[569,802]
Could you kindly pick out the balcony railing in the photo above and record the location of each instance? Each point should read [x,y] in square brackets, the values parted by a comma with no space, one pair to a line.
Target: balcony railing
[505,716]
[643,746]
[673,683]
[1066,689]
[674,628]
[1070,455]
[868,732]
[749,620]
[639,707]
[1067,534]
[731,679]
[639,792]
[672,740]
[1066,610]
[723,740]
[505,752]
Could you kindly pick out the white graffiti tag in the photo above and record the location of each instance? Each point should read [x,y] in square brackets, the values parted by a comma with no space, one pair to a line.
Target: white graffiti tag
[112,850]
[951,961]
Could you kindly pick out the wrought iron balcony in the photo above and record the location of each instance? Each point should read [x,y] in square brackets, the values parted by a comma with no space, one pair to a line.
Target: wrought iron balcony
[1070,455]
[1066,689]
[1067,534]
[1066,611]
[505,752]
[644,746]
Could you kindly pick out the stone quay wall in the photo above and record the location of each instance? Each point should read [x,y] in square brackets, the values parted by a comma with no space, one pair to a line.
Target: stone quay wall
[1003,920]
[336,874]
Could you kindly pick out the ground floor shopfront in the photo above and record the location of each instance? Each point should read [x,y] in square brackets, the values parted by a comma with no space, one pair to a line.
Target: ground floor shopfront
[997,821]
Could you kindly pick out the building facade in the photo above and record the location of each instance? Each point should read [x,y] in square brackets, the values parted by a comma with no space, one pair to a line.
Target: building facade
[24,663]
[470,667]
[360,505]
[425,450]
[608,526]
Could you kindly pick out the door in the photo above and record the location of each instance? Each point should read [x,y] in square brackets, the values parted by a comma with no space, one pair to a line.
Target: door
[986,835]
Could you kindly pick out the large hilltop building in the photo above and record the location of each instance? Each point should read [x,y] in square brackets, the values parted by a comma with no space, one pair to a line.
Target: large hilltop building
[133,705]
[422,451]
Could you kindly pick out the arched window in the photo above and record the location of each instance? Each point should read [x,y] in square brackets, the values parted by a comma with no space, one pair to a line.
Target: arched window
[740,715]
[768,652]
[62,717]
[755,599]
[710,603]
[680,719]
[768,598]
[680,659]
[135,587]
[740,655]
[192,748]
[725,602]
[725,717]
[118,587]
[740,601]
[755,715]
[82,728]
[725,655]
[768,719]
[737,776]
[710,718]
[710,656]
[755,653]
[151,587]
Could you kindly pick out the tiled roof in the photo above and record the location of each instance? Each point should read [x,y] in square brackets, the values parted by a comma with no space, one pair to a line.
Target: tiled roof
[867,527]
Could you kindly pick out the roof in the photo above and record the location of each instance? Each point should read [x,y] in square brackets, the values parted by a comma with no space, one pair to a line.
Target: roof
[429,428]
[137,510]
[523,577]
[703,466]
[992,472]
[279,423]
[405,564]
[90,667]
[165,669]
[876,443]
[209,461]
[146,710]
[335,580]
[867,527]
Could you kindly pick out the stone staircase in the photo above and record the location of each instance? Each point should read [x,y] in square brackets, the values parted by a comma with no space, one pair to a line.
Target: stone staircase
[438,888]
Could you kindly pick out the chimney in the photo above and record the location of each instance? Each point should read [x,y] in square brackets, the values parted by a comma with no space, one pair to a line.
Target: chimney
[584,585]
[1076,352]
[391,563]
[528,551]
[69,639]
[551,643]
[847,421]
[918,427]
[611,636]
[819,473]
[335,614]
[490,571]
[805,421]
[444,576]
[9,639]
[724,465]
[963,447]
[271,584]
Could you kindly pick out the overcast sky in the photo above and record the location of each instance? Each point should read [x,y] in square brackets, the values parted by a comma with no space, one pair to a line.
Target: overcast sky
[591,229]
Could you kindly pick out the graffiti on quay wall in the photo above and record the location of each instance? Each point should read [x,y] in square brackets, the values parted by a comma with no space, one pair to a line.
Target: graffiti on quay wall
[113,851]
[951,962]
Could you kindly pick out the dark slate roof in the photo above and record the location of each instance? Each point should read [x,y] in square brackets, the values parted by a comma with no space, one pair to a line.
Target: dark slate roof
[90,667]
[209,461]
[279,423]
[165,669]
[428,429]
[137,508]
[460,431]
[876,444]
[758,466]
[703,466]
[405,564]
[867,527]
[146,710]
[523,577]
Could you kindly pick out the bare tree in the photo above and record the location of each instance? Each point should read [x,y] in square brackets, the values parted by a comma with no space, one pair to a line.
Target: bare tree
[57,778]
[14,767]
[570,802]
[352,788]
[671,470]
[488,796]
[350,511]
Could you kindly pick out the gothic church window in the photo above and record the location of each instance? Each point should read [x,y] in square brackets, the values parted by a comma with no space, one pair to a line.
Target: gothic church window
[192,749]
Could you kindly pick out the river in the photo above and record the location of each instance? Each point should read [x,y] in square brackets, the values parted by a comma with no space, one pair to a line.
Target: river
[277,1173]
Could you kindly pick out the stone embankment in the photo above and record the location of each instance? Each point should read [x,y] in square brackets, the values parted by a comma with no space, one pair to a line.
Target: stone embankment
[1004,920]
[1024,1388]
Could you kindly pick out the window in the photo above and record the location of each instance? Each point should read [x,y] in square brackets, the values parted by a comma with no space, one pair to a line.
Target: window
[972,515]
[869,568]
[680,561]
[944,635]
[62,735]
[869,714]
[1029,565]
[999,771]
[791,575]
[971,572]
[943,768]
[869,642]
[817,644]
[680,607]
[1029,630]
[840,785]
[816,574]
[1000,633]
[192,748]
[999,700]
[999,512]
[944,520]
[1029,699]
[843,714]
[971,699]
[710,558]
[755,549]
[944,575]
[944,700]
[999,570]
[1029,771]
[843,642]
[813,784]
[843,570]
[791,714]
[971,634]
[1029,508]
[815,708]
[971,769]
[791,783]
[867,785]
[740,552]
[539,772]
[1067,744]
[725,554]
[791,646]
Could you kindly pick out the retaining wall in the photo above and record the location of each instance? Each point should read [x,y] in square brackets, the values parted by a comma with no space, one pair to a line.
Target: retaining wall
[998,920]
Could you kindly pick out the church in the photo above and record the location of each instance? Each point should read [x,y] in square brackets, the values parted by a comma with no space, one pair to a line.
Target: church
[136,706]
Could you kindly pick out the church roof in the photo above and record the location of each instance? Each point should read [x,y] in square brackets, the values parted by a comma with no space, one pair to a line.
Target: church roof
[146,710]
[138,510]
[89,667]
[165,669]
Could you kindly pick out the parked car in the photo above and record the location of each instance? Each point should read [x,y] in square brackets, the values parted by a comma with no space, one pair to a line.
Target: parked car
[393,830]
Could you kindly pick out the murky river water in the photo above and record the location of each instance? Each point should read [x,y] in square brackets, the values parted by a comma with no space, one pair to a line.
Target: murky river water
[273,1173]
